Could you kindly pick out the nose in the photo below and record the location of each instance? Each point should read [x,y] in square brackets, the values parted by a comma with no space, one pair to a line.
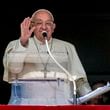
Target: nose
[43,25]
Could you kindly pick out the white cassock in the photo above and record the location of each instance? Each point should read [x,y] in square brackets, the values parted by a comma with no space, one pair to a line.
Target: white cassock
[35,77]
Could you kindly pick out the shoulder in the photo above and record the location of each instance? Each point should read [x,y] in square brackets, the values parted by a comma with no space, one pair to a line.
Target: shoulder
[62,42]
[14,42]
[11,43]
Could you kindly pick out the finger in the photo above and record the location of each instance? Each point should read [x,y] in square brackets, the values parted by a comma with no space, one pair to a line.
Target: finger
[27,22]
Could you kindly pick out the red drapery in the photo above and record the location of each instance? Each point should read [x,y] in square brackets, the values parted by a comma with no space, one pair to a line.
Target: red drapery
[65,107]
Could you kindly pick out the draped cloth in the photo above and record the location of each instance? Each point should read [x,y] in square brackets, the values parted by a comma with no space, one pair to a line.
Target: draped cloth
[33,61]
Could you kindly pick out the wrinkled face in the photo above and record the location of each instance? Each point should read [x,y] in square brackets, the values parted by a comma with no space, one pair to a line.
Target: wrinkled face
[43,22]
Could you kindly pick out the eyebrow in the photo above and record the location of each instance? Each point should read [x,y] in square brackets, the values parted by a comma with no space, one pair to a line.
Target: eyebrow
[41,20]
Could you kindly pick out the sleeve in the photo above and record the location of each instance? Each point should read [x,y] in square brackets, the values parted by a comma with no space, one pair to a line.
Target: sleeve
[12,55]
[77,71]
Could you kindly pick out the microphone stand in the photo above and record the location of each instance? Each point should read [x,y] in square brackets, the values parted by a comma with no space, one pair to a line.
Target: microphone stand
[71,78]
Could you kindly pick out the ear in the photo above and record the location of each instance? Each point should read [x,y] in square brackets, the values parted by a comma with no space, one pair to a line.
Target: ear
[31,24]
[54,26]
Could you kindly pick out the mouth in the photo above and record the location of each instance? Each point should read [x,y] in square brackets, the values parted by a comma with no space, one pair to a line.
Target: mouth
[44,34]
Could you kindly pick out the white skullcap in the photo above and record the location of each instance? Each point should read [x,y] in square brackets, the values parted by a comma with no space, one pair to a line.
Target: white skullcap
[42,10]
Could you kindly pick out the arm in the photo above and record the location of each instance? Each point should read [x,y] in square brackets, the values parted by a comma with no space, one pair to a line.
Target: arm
[77,71]
[15,52]
[13,58]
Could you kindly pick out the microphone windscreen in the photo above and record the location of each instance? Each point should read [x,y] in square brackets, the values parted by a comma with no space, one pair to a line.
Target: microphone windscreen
[44,33]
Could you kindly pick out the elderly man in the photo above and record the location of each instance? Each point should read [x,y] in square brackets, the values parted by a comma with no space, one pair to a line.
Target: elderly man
[35,77]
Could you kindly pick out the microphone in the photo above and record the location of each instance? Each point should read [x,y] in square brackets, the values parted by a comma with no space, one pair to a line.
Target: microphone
[44,34]
[71,78]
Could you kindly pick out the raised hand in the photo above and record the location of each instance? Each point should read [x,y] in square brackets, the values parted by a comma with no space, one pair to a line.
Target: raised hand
[26,31]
